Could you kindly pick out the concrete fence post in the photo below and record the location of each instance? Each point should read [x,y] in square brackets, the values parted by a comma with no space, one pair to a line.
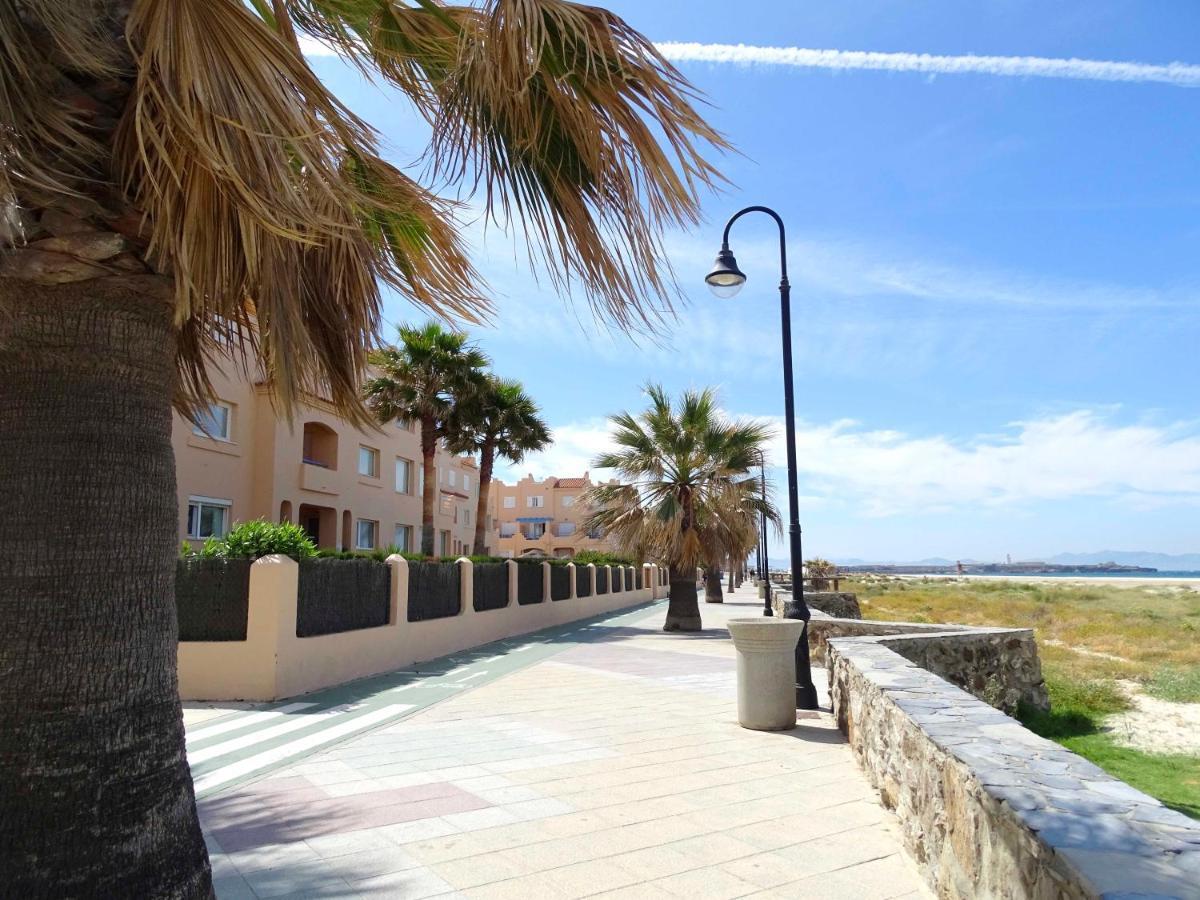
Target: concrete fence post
[511,566]
[590,574]
[466,586]
[545,582]
[398,605]
[571,572]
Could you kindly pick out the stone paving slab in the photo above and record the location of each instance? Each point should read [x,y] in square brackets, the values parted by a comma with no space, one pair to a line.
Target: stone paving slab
[613,767]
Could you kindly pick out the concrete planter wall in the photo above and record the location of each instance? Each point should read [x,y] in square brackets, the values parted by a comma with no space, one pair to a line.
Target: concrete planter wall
[272,662]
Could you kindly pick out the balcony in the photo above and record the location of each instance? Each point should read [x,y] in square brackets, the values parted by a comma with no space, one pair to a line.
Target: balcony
[318,478]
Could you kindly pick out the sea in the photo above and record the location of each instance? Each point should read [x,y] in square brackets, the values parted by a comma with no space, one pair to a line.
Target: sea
[1113,574]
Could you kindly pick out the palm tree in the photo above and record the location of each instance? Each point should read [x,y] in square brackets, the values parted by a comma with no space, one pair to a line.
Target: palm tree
[424,380]
[501,420]
[177,185]
[684,489]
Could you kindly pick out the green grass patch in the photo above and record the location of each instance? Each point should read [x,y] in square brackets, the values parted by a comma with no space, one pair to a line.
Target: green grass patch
[1176,685]
[1078,709]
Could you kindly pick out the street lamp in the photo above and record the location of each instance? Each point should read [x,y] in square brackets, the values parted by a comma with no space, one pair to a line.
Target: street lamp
[764,569]
[725,280]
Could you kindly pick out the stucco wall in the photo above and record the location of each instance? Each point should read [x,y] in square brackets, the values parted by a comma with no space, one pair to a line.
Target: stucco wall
[989,809]
[273,662]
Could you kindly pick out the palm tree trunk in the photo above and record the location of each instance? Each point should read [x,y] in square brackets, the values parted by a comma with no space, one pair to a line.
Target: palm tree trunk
[683,606]
[429,489]
[731,568]
[487,462]
[712,585]
[95,794]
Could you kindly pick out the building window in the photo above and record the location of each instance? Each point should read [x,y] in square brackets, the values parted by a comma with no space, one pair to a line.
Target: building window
[403,475]
[207,517]
[214,422]
[510,502]
[368,462]
[445,543]
[536,502]
[466,516]
[364,534]
[453,476]
[466,482]
[568,501]
[421,480]
[402,538]
[404,424]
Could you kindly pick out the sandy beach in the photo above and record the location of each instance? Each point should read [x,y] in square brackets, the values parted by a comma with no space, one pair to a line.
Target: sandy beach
[1118,580]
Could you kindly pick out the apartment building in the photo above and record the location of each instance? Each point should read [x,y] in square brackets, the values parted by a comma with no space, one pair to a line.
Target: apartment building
[541,518]
[350,489]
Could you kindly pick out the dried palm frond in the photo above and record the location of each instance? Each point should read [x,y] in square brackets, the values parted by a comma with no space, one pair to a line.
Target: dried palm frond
[551,109]
[48,143]
[267,201]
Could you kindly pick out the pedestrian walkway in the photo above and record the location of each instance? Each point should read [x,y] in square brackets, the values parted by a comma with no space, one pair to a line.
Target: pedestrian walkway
[601,759]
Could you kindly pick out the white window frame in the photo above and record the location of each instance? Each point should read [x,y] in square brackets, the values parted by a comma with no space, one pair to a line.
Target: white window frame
[537,501]
[466,482]
[198,429]
[408,463]
[568,501]
[510,502]
[374,457]
[358,524]
[217,503]
[453,476]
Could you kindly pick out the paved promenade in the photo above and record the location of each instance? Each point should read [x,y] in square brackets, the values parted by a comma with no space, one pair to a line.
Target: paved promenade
[599,759]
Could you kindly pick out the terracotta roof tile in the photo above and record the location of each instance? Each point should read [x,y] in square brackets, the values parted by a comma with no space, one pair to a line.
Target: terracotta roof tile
[571,483]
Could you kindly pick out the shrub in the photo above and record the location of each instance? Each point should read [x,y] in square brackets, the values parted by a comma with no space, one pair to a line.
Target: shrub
[583,557]
[257,538]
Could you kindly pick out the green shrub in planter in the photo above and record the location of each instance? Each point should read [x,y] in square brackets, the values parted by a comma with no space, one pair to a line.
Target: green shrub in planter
[256,539]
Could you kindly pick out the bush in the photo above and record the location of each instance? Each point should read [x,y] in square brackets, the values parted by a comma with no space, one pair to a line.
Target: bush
[377,555]
[255,539]
[583,557]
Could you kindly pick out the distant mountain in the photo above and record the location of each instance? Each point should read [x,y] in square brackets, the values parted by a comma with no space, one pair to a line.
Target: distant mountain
[1164,562]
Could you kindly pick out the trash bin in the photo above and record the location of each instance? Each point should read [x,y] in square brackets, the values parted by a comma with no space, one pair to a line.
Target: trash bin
[766,671]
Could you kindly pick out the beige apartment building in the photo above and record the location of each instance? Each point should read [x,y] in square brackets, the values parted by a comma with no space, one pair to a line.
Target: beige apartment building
[350,489]
[541,518]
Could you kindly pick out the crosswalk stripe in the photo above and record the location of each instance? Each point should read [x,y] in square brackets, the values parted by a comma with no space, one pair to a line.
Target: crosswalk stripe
[263,735]
[260,761]
[204,732]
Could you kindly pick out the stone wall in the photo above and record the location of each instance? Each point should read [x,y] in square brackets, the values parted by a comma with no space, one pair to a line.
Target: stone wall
[986,807]
[839,604]
[998,665]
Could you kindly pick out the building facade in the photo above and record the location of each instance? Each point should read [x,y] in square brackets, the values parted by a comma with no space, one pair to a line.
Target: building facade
[541,518]
[350,489]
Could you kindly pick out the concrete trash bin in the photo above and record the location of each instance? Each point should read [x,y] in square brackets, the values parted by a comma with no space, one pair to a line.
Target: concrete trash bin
[766,671]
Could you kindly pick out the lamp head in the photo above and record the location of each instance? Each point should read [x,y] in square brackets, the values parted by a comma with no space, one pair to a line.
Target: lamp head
[725,279]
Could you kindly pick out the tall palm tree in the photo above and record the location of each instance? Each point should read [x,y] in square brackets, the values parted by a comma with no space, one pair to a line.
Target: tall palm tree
[425,379]
[500,420]
[176,183]
[684,489]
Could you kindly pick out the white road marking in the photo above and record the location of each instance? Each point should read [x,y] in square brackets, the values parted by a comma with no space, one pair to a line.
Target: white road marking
[470,677]
[266,734]
[204,732]
[260,761]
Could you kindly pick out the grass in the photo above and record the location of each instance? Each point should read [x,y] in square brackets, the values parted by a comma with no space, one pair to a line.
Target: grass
[1149,635]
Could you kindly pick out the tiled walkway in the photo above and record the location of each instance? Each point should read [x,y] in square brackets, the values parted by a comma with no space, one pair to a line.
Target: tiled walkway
[613,768]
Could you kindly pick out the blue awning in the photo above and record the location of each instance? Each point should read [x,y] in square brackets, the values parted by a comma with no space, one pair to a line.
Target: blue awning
[534,519]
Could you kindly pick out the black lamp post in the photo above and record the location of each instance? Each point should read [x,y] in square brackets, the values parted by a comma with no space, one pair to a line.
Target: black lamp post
[725,280]
[764,570]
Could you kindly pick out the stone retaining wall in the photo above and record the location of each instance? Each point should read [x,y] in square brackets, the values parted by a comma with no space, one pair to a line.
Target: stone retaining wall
[987,808]
[998,665]
[840,604]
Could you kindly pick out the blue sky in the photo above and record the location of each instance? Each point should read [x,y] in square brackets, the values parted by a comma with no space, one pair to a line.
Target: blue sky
[995,277]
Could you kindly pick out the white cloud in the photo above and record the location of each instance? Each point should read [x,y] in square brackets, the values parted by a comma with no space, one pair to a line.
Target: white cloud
[1057,458]
[1175,73]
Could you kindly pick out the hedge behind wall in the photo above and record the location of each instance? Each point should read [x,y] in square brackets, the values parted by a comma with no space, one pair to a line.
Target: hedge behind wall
[529,583]
[433,590]
[212,598]
[491,586]
[336,595]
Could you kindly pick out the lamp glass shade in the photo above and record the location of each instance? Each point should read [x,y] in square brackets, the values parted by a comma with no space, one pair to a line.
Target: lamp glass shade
[725,279]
